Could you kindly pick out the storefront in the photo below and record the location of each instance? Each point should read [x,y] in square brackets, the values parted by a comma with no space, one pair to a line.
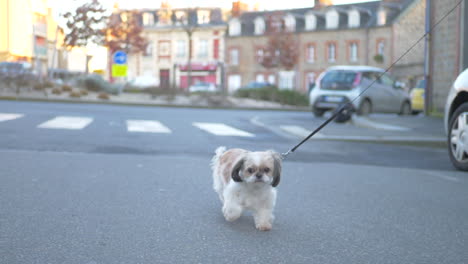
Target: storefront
[200,72]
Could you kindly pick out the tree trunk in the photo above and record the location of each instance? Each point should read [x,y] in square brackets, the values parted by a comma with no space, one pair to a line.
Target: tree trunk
[189,69]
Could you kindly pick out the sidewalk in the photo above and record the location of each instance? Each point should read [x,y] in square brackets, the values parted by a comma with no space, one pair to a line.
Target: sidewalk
[192,100]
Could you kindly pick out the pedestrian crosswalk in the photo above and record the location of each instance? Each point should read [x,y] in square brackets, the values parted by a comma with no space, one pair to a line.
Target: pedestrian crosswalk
[132,125]
[8,116]
[67,122]
[222,129]
[146,126]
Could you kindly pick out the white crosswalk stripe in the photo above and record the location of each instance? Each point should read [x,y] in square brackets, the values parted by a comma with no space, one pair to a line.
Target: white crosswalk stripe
[67,122]
[149,126]
[220,129]
[9,116]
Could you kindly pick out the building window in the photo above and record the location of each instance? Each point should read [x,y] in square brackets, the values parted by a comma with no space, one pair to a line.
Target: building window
[181,49]
[203,17]
[164,48]
[353,52]
[272,79]
[234,82]
[234,57]
[311,22]
[148,19]
[332,18]
[260,78]
[203,49]
[381,18]
[381,47]
[259,55]
[354,19]
[234,28]
[290,23]
[149,50]
[259,26]
[311,53]
[331,52]
[286,80]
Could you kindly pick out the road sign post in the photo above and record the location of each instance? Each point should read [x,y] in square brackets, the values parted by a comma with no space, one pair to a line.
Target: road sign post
[119,65]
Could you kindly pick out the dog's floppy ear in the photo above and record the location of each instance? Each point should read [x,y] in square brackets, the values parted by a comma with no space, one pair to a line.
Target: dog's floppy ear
[277,170]
[236,170]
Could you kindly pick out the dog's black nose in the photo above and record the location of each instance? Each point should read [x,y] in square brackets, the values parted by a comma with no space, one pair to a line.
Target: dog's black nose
[259,176]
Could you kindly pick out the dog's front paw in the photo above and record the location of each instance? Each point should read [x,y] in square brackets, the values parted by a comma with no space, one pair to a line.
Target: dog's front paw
[231,213]
[264,226]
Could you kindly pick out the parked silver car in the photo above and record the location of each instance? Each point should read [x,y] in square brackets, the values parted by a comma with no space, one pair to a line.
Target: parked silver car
[456,121]
[341,84]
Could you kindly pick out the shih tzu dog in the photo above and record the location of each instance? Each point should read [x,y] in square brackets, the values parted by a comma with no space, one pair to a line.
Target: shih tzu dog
[246,180]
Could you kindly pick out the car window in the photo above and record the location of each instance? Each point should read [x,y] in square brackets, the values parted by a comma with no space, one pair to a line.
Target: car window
[387,80]
[339,77]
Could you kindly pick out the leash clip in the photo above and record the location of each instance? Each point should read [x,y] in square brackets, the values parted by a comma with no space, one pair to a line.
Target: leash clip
[284,155]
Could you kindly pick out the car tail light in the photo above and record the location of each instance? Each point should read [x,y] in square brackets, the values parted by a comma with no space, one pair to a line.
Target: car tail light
[357,80]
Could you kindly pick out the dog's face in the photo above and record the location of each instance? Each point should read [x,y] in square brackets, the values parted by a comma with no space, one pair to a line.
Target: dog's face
[258,167]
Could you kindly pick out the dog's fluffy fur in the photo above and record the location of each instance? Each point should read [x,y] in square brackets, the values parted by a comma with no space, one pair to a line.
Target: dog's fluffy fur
[246,180]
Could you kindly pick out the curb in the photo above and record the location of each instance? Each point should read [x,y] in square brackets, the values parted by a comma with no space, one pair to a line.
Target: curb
[84,101]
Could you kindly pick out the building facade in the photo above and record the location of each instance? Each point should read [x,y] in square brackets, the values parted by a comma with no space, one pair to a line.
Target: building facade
[173,36]
[28,33]
[448,51]
[370,33]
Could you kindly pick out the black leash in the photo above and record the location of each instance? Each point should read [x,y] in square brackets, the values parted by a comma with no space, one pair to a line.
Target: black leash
[349,104]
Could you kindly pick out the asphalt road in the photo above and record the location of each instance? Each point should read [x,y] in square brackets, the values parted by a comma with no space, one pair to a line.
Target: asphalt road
[102,194]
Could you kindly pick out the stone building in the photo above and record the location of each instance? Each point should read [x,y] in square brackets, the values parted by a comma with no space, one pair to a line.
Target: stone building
[165,62]
[370,33]
[448,51]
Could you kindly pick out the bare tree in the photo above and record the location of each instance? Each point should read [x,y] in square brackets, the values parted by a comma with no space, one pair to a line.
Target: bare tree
[282,49]
[85,26]
[189,23]
[125,32]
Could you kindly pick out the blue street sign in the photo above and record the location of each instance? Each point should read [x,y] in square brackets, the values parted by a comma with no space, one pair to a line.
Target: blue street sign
[120,57]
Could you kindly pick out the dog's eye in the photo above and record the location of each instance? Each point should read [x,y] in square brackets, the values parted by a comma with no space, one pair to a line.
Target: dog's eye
[266,170]
[250,170]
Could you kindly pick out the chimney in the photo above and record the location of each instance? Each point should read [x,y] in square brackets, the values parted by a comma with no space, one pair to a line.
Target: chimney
[238,8]
[322,3]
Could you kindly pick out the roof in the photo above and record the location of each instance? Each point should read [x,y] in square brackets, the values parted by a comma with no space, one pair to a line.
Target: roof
[368,10]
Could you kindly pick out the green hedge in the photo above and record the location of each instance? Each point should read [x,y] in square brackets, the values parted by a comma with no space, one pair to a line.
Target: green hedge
[274,94]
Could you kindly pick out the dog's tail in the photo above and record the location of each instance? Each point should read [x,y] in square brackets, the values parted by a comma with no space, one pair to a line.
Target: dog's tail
[217,185]
[218,152]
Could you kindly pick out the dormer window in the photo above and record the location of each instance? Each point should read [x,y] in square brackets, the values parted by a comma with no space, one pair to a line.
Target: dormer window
[354,19]
[234,27]
[259,26]
[290,23]
[148,19]
[332,18]
[203,17]
[381,18]
[310,22]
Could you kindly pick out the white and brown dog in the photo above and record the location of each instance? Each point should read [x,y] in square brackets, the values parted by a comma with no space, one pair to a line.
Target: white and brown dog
[247,180]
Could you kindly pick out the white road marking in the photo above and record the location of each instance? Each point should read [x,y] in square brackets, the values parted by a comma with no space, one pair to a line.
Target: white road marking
[7,117]
[67,122]
[298,131]
[220,129]
[147,126]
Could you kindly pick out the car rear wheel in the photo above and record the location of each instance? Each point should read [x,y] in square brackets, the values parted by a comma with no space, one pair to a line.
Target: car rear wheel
[318,112]
[405,108]
[365,108]
[458,138]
